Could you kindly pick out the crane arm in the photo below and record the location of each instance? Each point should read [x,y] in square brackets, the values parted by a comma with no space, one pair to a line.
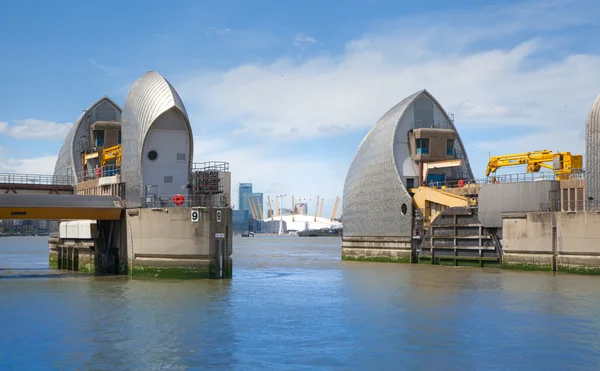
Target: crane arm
[270,208]
[111,153]
[562,163]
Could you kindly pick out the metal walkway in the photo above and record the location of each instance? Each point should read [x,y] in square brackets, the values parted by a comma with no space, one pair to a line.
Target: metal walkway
[59,207]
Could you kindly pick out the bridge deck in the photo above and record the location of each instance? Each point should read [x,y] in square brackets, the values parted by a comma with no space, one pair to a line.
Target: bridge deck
[59,207]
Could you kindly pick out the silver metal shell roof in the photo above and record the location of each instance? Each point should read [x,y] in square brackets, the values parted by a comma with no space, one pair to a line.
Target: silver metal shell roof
[69,154]
[592,151]
[149,97]
[373,190]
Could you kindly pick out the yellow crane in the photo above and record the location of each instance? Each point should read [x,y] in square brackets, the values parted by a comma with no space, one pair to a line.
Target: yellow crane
[563,164]
[111,153]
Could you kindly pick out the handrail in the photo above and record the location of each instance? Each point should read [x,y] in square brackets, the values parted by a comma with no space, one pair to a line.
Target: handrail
[43,179]
[505,178]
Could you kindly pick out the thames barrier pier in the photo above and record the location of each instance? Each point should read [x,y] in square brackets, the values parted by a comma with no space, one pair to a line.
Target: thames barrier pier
[410,196]
[175,217]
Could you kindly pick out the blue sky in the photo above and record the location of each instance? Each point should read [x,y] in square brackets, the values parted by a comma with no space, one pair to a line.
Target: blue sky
[285,91]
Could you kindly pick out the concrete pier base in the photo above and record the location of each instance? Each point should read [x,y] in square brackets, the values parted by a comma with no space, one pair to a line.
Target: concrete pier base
[72,255]
[553,241]
[169,243]
[378,249]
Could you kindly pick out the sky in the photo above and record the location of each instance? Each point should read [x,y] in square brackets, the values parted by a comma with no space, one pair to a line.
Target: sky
[286,91]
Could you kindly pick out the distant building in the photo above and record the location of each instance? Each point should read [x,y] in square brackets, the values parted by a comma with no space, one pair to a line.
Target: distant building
[244,190]
[239,221]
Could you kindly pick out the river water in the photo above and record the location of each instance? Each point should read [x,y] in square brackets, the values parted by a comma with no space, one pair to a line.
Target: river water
[293,304]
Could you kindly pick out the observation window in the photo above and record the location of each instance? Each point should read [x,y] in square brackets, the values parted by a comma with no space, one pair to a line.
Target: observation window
[152,155]
[450,147]
[422,146]
[98,138]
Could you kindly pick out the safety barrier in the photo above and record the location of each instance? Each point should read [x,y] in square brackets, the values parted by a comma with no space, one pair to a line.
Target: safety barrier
[184,200]
[505,178]
[8,178]
[104,171]
[210,166]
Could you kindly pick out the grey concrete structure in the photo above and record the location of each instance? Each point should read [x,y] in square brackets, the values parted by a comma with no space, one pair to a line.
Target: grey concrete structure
[194,249]
[378,209]
[76,142]
[156,235]
[592,152]
[559,241]
[496,199]
[157,140]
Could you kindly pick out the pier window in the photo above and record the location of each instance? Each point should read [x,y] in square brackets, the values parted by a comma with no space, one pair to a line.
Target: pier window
[422,146]
[98,138]
[450,147]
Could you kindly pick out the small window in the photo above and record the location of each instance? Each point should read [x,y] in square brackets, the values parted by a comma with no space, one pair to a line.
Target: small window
[422,146]
[168,178]
[98,138]
[181,157]
[152,155]
[410,183]
[450,147]
[119,138]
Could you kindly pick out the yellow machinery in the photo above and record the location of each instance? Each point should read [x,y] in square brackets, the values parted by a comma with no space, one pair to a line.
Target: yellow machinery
[564,164]
[111,153]
[432,201]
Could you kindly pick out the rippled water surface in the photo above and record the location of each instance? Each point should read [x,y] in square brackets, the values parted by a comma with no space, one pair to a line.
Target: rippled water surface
[292,304]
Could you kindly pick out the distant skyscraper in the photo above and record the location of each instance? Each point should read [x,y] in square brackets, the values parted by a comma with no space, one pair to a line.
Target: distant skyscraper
[244,190]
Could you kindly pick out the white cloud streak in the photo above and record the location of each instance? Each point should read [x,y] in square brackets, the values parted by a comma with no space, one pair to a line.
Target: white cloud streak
[302,39]
[530,90]
[35,165]
[35,129]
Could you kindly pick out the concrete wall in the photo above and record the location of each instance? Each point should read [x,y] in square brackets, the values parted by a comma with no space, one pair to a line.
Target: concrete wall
[528,241]
[378,249]
[165,242]
[496,199]
[527,232]
[578,233]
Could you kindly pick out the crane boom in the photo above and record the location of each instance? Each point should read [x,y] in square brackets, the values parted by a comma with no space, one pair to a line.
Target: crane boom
[335,207]
[111,153]
[562,163]
[251,205]
[270,208]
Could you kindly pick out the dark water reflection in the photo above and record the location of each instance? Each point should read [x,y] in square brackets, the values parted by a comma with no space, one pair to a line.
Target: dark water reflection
[292,304]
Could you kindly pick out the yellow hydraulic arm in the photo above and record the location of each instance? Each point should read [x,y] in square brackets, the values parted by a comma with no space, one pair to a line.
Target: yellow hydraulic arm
[562,163]
[111,153]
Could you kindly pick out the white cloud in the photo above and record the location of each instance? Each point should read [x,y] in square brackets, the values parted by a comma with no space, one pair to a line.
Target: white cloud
[494,69]
[37,165]
[35,129]
[351,92]
[301,39]
[218,31]
[108,70]
[301,175]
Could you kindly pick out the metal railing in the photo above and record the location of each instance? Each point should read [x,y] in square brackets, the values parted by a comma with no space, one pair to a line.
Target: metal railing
[570,205]
[161,201]
[35,179]
[506,178]
[104,171]
[210,166]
